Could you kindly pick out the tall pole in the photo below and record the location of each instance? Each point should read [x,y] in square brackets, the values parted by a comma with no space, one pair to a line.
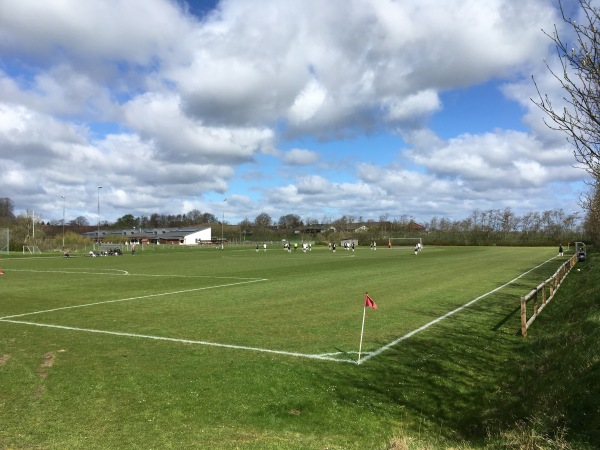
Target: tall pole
[222,225]
[99,187]
[63,197]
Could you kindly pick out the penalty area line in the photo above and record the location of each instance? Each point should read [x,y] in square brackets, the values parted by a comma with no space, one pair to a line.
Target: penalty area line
[118,272]
[133,298]
[181,341]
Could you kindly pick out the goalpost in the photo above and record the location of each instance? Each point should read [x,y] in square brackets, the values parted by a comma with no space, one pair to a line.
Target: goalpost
[4,241]
[404,242]
[32,249]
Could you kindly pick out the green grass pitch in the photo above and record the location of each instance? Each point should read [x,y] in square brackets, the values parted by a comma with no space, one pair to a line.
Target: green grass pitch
[236,348]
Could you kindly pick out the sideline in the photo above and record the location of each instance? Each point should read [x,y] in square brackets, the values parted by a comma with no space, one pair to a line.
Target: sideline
[448,314]
[183,341]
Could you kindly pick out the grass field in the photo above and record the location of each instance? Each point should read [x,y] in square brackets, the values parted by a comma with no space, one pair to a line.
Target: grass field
[204,348]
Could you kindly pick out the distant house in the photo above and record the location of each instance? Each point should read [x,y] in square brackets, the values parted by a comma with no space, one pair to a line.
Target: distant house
[185,237]
[160,236]
[314,229]
[413,226]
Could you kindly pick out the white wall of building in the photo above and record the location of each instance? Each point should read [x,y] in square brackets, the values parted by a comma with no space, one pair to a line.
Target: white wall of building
[195,238]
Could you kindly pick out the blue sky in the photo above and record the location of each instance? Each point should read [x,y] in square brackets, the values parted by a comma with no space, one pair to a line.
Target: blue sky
[320,109]
[483,107]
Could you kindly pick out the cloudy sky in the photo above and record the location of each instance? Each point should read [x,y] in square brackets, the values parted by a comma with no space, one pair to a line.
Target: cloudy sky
[415,108]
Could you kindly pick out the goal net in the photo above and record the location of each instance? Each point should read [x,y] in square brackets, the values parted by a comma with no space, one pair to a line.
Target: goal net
[4,241]
[408,243]
[32,249]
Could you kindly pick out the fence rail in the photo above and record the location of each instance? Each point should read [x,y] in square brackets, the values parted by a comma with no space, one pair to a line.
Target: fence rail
[546,291]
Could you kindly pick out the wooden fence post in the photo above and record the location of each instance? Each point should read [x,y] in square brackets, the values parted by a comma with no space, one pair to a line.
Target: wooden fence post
[544,293]
[523,316]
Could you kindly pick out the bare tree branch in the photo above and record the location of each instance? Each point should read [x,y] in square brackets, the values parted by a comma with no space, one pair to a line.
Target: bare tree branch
[580,79]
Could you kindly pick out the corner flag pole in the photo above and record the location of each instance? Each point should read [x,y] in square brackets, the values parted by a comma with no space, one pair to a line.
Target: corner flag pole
[371,304]
[361,333]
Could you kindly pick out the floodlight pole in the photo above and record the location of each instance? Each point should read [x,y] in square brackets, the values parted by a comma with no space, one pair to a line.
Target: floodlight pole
[99,187]
[222,227]
[63,224]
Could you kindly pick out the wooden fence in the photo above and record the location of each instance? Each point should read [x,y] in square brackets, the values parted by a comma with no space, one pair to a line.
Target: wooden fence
[542,294]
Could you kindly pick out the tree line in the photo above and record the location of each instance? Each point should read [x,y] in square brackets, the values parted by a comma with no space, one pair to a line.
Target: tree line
[481,227]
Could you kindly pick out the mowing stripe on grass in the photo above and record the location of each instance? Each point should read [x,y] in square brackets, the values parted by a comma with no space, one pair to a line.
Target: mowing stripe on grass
[323,356]
[448,314]
[134,298]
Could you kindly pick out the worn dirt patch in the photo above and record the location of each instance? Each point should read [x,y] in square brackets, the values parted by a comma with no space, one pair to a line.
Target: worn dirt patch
[39,392]
[4,359]
[48,359]
[46,364]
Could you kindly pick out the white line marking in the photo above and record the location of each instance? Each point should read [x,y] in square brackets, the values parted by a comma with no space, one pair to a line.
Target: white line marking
[445,316]
[132,298]
[75,271]
[184,341]
[195,276]
[124,272]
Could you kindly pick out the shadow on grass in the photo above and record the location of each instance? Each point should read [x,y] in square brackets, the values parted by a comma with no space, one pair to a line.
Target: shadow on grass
[453,381]
[510,317]
[472,376]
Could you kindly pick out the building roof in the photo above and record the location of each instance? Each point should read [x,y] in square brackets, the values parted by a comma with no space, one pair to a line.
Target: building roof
[150,233]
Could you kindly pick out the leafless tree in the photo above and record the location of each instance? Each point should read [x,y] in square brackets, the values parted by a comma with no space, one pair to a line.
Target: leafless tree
[580,80]
[7,207]
[580,119]
[263,220]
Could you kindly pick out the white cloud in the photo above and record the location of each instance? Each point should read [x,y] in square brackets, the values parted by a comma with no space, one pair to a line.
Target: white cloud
[421,104]
[109,30]
[505,159]
[308,102]
[305,60]
[164,108]
[159,118]
[300,157]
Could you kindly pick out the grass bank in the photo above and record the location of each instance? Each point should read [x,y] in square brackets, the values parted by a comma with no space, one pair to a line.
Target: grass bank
[559,380]
[541,392]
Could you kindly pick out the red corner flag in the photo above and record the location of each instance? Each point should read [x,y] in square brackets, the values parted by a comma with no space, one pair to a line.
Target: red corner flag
[369,303]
